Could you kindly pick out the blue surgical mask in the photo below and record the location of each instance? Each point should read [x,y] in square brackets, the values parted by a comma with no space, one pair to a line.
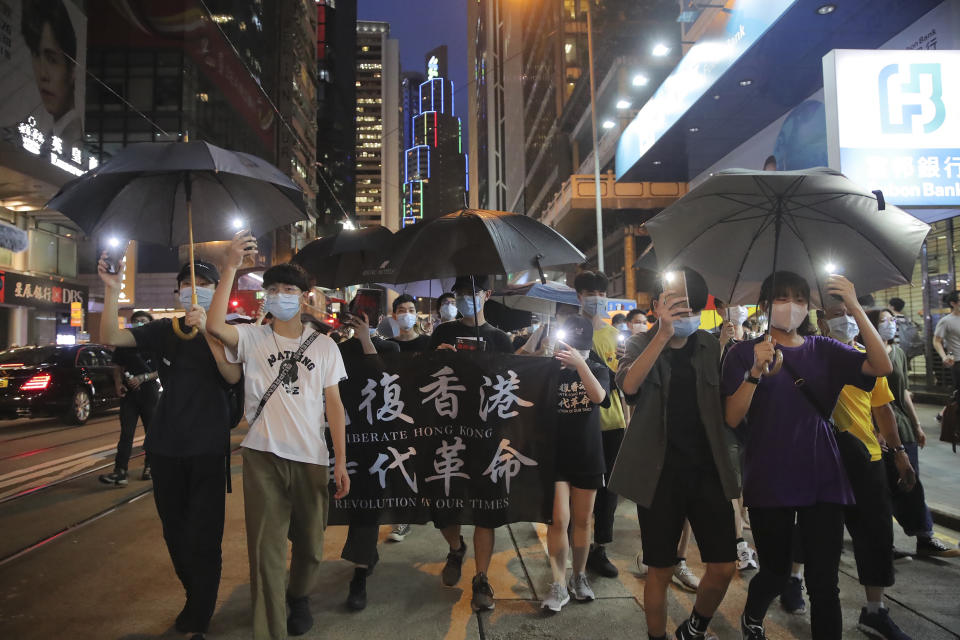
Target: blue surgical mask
[204,297]
[448,311]
[887,329]
[594,305]
[843,328]
[467,306]
[622,326]
[282,306]
[685,327]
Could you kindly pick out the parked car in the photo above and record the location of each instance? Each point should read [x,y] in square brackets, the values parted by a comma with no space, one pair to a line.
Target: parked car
[70,382]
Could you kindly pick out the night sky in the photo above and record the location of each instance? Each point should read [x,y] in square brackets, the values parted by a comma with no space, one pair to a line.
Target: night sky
[421,25]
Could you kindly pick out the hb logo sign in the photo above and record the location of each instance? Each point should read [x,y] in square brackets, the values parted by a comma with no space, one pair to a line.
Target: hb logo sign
[907,103]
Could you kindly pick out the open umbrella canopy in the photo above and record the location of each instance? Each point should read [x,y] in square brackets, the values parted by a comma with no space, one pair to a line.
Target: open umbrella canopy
[422,288]
[739,225]
[339,260]
[537,297]
[473,241]
[141,194]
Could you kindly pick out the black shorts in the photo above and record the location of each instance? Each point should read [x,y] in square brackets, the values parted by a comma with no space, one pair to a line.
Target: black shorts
[687,492]
[585,481]
[870,522]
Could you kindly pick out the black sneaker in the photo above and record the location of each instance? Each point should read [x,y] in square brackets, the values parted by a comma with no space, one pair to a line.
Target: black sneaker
[899,555]
[598,563]
[935,548]
[687,632]
[300,619]
[750,631]
[117,477]
[451,571]
[879,625]
[792,597]
[146,475]
[357,600]
[482,594]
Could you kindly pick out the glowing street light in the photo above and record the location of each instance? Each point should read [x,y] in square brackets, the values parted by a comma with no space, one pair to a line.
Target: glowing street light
[660,50]
[640,80]
[623,104]
[609,124]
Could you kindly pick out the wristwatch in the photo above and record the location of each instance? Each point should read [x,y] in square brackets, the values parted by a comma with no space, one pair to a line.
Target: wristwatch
[897,450]
[749,378]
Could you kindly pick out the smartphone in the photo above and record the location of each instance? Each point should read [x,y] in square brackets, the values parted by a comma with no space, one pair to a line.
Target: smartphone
[249,261]
[114,255]
[675,283]
[369,302]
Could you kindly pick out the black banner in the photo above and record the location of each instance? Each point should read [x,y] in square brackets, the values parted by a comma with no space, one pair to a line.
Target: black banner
[449,437]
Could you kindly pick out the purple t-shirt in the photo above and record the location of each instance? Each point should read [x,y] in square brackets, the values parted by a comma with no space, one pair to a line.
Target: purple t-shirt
[791,455]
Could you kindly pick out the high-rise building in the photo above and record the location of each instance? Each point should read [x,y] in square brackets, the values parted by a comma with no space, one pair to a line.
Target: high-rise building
[336,131]
[435,165]
[378,125]
[410,103]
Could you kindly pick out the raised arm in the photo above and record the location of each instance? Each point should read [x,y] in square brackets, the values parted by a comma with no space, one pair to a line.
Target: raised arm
[240,248]
[110,332]
[669,308]
[231,372]
[878,362]
[573,360]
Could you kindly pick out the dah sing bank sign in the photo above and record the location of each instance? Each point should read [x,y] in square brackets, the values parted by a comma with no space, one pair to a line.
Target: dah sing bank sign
[893,122]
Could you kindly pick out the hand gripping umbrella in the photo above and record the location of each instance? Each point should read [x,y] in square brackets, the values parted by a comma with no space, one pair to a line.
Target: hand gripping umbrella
[148,191]
[740,226]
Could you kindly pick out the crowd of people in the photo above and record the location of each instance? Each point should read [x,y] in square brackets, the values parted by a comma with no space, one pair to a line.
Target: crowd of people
[696,428]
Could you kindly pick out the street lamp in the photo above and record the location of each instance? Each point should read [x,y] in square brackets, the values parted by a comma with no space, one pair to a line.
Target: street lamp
[596,146]
[640,80]
[660,50]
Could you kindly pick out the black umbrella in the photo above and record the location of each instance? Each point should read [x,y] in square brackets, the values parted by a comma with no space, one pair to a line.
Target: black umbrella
[340,259]
[147,192]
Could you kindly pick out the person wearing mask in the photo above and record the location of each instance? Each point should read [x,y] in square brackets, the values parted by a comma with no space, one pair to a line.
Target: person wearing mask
[189,436]
[405,313]
[447,307]
[619,322]
[584,386]
[141,391]
[591,290]
[792,466]
[909,507]
[471,294]
[673,461]
[870,520]
[291,382]
[637,321]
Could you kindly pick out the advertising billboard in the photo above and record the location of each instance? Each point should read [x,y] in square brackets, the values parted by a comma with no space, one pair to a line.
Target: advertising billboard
[43,51]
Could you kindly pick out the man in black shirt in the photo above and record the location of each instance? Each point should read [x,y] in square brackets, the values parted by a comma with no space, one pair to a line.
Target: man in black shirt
[189,438]
[139,372]
[405,313]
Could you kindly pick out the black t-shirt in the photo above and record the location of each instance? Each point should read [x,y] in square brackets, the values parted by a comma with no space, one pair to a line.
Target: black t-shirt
[193,416]
[136,362]
[447,333]
[420,343]
[579,439]
[352,347]
[686,434]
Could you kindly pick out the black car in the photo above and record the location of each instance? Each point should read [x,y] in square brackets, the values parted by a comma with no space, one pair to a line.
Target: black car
[66,381]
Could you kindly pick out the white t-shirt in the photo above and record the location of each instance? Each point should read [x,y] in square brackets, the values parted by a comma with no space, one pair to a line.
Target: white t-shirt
[292,422]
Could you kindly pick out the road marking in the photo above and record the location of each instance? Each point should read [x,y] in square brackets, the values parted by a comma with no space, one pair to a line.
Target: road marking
[52,466]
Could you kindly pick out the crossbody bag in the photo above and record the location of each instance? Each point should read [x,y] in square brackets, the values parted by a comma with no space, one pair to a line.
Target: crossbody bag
[285,368]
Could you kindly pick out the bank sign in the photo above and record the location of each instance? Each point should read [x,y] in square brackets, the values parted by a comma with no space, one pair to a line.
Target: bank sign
[893,122]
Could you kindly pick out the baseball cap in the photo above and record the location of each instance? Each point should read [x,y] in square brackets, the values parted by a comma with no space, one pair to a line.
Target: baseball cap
[482,282]
[203,270]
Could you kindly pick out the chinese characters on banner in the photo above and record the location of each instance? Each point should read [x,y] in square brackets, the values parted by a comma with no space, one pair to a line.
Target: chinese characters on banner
[446,436]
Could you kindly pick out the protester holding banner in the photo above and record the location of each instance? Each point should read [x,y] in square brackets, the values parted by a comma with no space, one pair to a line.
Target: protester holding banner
[792,467]
[584,386]
[471,294]
[674,461]
[592,292]
[291,383]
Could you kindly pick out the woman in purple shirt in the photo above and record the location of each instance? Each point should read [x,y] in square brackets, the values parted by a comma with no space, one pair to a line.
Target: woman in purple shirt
[792,468]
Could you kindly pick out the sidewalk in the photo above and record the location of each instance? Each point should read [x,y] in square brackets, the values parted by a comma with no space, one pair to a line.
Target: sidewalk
[112,579]
[939,470]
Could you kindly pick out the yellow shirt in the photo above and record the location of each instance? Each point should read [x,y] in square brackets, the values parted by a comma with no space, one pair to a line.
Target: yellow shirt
[605,344]
[854,412]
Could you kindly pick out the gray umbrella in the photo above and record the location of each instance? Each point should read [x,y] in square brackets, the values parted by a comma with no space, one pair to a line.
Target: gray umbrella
[739,226]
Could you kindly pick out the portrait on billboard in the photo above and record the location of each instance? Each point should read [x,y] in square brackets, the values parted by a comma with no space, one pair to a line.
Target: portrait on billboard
[43,62]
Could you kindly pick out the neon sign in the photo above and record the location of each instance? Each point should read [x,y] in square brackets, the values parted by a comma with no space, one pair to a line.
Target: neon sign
[433,68]
[32,140]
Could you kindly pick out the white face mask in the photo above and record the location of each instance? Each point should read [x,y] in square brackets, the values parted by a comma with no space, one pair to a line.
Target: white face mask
[737,315]
[204,297]
[843,328]
[406,320]
[448,311]
[887,329]
[639,327]
[787,316]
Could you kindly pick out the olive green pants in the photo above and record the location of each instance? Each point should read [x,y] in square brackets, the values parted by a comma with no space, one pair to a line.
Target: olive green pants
[283,499]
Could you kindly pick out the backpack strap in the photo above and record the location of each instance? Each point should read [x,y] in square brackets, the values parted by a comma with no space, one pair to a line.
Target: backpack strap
[285,368]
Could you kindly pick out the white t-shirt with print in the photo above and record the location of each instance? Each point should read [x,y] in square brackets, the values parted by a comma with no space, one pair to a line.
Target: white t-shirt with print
[292,422]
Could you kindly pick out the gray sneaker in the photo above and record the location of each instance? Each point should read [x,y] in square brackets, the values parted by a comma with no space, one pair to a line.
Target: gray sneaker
[400,532]
[558,597]
[579,586]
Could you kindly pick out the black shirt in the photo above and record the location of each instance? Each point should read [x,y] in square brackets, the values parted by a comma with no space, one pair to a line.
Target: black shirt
[420,343]
[352,347]
[447,333]
[686,434]
[193,416]
[579,439]
[136,362]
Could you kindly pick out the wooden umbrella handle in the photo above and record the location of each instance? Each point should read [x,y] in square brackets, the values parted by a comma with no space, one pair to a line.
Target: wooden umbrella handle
[194,331]
[772,370]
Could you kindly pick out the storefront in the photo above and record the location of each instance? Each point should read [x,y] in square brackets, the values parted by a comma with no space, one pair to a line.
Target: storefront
[37,310]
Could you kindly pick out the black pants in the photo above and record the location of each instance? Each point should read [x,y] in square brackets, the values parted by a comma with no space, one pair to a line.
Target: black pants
[361,545]
[821,533]
[190,494]
[870,522]
[909,507]
[605,504]
[136,405]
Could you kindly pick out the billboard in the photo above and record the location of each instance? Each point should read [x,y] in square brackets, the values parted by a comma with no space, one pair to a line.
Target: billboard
[893,122]
[43,52]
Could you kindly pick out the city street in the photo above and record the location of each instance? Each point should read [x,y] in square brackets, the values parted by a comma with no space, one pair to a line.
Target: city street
[82,560]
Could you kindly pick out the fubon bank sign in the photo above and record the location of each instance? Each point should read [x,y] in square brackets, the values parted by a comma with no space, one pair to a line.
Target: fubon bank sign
[893,122]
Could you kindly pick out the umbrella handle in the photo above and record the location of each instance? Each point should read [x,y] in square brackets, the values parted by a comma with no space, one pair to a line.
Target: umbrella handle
[774,369]
[189,335]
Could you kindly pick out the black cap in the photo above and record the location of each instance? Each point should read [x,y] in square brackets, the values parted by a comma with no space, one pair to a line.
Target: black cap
[579,332]
[482,283]
[203,270]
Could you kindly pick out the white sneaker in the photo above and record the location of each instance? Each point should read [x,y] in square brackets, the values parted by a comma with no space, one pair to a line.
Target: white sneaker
[641,568]
[400,532]
[683,576]
[557,597]
[580,587]
[746,557]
